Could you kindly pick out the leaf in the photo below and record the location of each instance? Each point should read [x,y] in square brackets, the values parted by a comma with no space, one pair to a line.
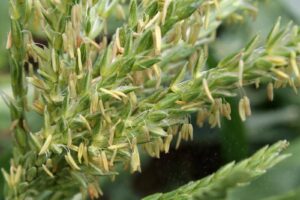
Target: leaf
[179,76]
[133,18]
[145,42]
[145,63]
[183,9]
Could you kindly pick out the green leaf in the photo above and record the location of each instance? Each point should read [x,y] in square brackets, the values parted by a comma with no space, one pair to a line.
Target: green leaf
[133,14]
[145,63]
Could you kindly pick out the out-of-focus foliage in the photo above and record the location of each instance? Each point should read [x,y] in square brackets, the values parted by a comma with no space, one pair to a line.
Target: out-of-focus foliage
[4,76]
[281,181]
[5,147]
[232,175]
[4,27]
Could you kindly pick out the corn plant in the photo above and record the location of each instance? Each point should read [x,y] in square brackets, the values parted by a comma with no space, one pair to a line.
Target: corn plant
[106,92]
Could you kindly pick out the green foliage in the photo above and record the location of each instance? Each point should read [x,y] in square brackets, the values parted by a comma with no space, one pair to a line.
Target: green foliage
[102,98]
[232,175]
[3,32]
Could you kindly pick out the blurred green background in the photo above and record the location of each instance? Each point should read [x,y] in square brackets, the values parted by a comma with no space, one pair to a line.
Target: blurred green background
[211,148]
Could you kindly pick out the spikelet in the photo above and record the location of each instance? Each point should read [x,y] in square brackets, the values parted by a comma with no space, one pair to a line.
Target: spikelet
[270,92]
[85,155]
[15,175]
[75,17]
[153,21]
[120,13]
[71,161]
[277,60]
[7,178]
[47,171]
[80,152]
[49,163]
[13,125]
[215,119]
[279,84]
[157,39]
[72,85]
[135,158]
[228,111]
[280,74]
[146,132]
[184,133]
[94,190]
[79,61]
[201,117]
[111,135]
[104,161]
[157,72]
[45,146]
[9,40]
[247,106]
[157,144]
[69,138]
[294,64]
[149,149]
[184,30]
[167,143]
[86,123]
[118,146]
[119,48]
[244,108]
[191,131]
[160,144]
[174,36]
[217,4]
[292,85]
[207,91]
[94,103]
[257,82]
[102,110]
[53,58]
[133,98]
[242,111]
[113,157]
[206,18]
[179,137]
[187,132]
[111,93]
[241,71]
